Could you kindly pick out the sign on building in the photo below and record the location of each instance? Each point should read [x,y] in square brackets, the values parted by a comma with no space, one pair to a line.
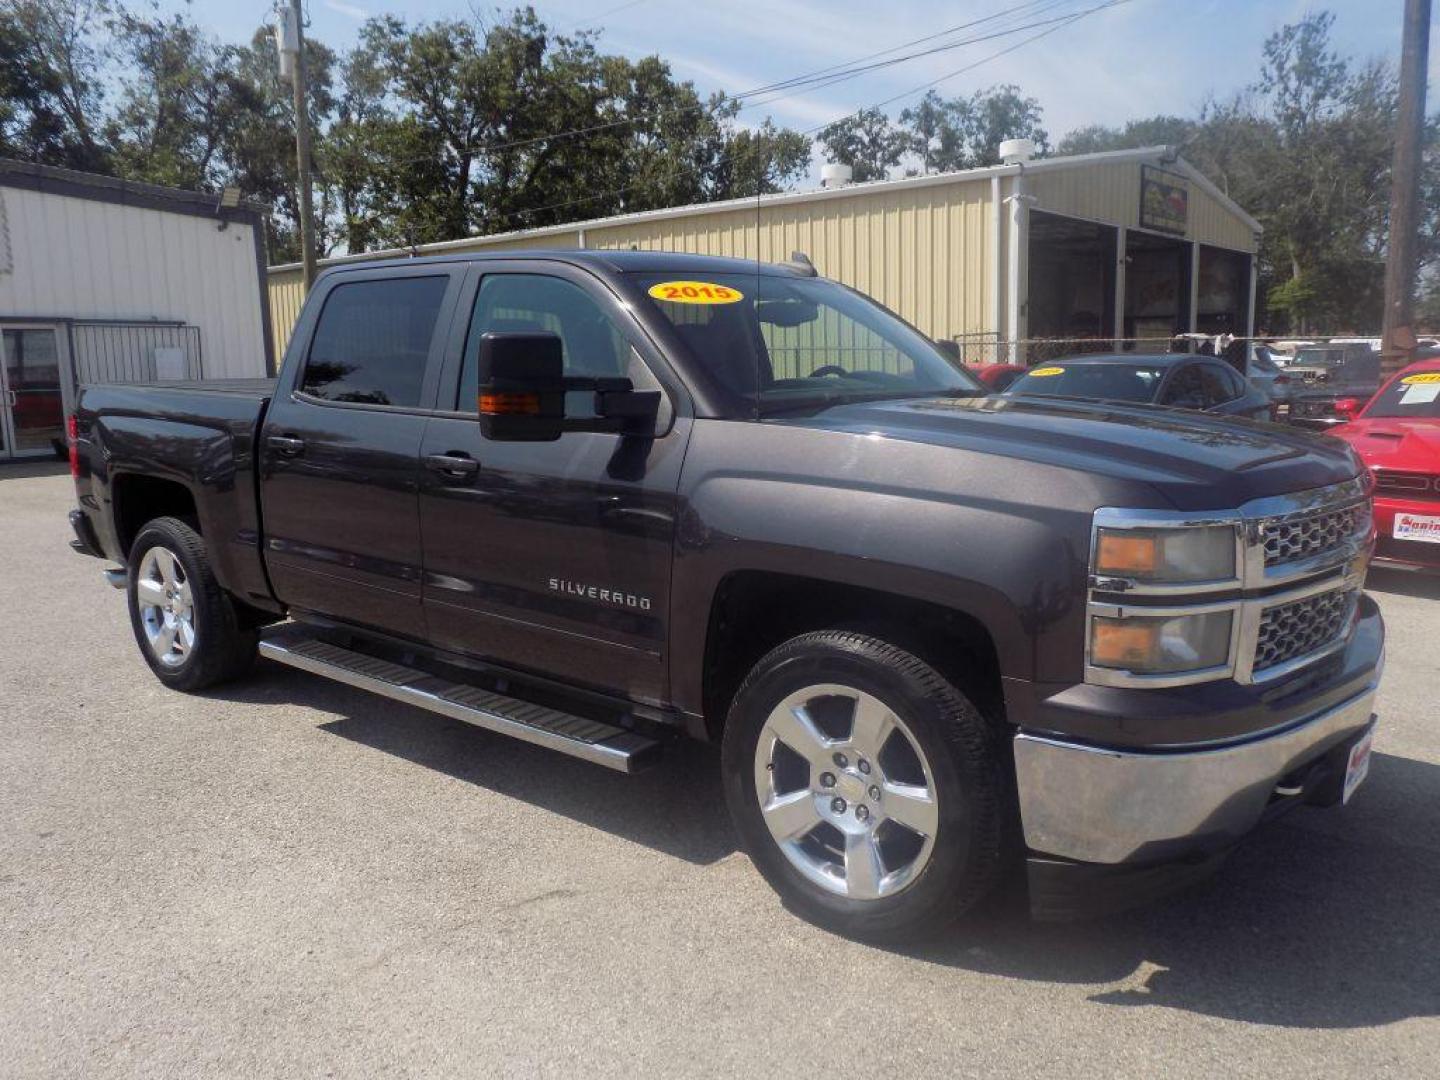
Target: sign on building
[1164,201]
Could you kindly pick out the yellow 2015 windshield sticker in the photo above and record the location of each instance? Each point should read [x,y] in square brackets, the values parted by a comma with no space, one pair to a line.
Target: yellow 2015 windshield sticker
[1041,372]
[695,292]
[1423,377]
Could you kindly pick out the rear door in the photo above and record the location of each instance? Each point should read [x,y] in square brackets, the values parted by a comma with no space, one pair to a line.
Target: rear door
[553,556]
[339,451]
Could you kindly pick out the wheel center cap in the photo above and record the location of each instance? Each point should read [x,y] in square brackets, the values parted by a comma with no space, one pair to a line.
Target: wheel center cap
[849,787]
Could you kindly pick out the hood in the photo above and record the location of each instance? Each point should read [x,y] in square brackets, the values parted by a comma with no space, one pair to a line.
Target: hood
[1394,442]
[1197,462]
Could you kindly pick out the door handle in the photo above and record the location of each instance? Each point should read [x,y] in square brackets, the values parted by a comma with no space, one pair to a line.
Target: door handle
[288,445]
[457,466]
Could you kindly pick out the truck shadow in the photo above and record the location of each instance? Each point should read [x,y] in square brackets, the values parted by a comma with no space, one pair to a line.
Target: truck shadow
[1325,920]
[677,808]
[1403,583]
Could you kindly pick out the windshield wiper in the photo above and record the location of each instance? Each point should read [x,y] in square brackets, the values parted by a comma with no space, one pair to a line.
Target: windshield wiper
[825,401]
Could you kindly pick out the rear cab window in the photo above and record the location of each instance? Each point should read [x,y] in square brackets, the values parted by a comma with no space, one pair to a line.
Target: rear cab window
[372,340]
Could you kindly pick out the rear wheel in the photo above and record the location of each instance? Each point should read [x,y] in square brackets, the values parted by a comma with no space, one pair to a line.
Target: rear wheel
[186,626]
[867,788]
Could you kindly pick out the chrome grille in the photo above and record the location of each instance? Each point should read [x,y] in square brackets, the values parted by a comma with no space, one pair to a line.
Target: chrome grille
[1288,631]
[1312,532]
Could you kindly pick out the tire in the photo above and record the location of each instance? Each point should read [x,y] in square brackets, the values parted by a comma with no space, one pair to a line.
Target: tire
[938,824]
[191,634]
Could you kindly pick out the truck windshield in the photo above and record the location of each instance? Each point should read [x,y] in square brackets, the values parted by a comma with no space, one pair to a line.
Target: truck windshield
[1412,396]
[780,344]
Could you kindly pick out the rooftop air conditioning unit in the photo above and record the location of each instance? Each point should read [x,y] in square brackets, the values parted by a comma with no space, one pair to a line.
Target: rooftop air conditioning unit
[835,175]
[1016,151]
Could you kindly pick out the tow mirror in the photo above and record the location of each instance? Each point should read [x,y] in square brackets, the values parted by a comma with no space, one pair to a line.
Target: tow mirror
[522,388]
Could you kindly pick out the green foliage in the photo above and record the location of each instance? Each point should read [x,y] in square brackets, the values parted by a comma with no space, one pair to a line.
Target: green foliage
[966,132]
[943,135]
[1307,150]
[425,132]
[867,142]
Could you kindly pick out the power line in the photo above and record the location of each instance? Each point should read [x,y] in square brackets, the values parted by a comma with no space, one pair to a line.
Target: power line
[1069,21]
[820,79]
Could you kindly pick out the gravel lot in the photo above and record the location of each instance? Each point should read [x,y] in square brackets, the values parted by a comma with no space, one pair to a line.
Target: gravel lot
[291,878]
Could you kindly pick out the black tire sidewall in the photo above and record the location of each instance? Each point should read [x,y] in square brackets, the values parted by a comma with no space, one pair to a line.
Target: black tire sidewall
[214,630]
[966,854]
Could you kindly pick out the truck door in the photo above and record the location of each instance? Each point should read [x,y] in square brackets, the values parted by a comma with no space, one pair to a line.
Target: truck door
[339,450]
[552,556]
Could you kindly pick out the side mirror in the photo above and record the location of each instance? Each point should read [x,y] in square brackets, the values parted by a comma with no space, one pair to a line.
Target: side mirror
[522,388]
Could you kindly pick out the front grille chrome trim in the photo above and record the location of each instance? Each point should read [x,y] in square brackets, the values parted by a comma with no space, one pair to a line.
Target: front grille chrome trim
[1260,585]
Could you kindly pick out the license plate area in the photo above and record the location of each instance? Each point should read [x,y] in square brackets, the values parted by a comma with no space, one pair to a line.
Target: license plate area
[1357,763]
[1422,527]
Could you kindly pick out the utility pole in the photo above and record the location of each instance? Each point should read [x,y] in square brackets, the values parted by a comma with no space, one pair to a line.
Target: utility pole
[290,38]
[1397,346]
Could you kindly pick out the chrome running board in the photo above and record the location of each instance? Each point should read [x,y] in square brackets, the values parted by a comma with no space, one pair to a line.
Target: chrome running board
[604,744]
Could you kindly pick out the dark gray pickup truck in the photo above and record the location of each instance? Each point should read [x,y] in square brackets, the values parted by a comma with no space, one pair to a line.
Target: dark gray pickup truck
[600,501]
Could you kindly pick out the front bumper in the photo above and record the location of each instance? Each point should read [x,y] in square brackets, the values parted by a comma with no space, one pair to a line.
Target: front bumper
[1110,806]
[1405,554]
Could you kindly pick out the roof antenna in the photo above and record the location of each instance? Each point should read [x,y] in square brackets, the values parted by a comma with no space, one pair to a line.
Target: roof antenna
[800,262]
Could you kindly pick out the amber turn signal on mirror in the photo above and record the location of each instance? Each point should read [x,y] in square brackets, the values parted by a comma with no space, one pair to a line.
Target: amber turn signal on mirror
[509,404]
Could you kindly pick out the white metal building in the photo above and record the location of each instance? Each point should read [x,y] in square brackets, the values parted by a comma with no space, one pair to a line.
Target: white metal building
[103,280]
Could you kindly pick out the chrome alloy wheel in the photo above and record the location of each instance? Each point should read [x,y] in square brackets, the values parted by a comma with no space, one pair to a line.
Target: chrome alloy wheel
[167,608]
[846,792]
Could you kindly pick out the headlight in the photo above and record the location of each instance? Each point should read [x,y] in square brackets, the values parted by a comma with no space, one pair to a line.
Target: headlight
[1161,644]
[1198,553]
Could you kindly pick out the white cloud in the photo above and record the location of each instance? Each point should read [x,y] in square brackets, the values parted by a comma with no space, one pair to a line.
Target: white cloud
[352,10]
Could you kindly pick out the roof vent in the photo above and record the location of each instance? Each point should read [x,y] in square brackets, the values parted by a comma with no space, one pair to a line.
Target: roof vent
[1016,151]
[835,175]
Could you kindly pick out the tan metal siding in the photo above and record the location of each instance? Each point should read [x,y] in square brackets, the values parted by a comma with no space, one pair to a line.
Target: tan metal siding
[1111,193]
[925,253]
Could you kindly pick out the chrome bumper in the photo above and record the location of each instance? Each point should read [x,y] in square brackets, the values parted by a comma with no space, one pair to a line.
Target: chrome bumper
[1100,805]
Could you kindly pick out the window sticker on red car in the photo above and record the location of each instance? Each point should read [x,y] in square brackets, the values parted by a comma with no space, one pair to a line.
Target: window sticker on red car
[1421,378]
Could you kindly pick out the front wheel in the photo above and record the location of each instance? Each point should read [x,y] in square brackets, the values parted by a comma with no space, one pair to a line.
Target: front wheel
[186,626]
[867,789]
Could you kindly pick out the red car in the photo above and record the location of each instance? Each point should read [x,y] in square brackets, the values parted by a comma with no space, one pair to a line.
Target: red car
[998,377]
[1397,433]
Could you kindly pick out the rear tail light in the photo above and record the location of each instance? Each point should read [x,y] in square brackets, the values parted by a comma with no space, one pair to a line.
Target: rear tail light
[72,440]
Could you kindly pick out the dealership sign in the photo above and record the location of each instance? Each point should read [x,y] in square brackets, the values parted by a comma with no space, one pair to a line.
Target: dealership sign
[1164,201]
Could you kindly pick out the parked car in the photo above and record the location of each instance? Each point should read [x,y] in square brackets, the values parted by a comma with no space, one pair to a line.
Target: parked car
[1397,434]
[603,500]
[1332,380]
[1266,371]
[1179,380]
[998,377]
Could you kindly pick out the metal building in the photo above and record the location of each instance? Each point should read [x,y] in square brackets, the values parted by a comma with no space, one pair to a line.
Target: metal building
[1114,250]
[103,280]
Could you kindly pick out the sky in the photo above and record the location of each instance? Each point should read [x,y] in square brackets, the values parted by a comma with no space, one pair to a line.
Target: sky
[1136,59]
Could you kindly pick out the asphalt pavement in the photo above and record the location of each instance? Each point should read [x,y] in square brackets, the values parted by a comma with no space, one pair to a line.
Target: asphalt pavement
[286,878]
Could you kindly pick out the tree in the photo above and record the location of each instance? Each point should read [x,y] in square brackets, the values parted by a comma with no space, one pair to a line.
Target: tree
[867,142]
[49,85]
[966,132]
[1174,131]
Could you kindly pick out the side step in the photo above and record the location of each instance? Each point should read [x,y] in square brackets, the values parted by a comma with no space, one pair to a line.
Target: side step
[604,744]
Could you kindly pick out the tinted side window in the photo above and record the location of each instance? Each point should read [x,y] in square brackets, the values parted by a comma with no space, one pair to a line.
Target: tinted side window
[592,345]
[372,340]
[1185,389]
[1214,386]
